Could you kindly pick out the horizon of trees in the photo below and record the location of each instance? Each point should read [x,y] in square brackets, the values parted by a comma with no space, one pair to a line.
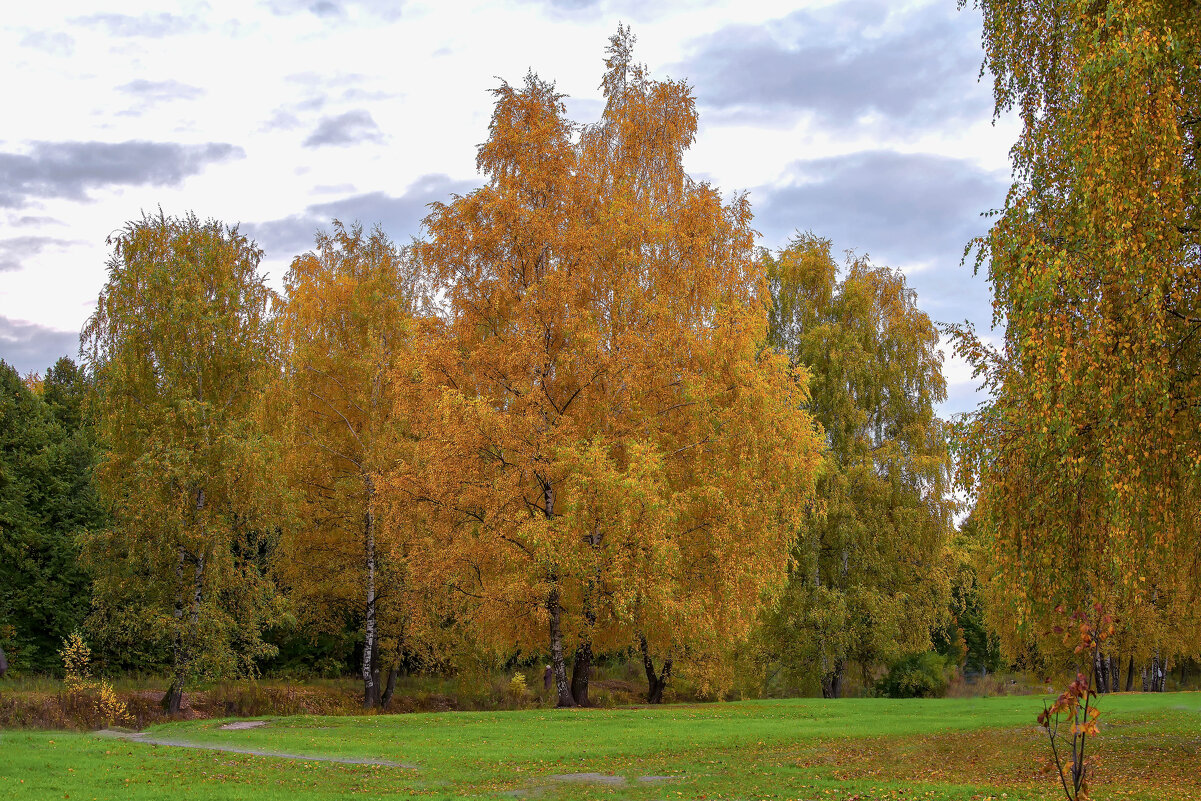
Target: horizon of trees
[585,418]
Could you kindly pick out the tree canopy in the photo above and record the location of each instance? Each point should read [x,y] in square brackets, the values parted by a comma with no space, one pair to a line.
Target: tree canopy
[607,454]
[1086,460]
[181,348]
[870,576]
[47,453]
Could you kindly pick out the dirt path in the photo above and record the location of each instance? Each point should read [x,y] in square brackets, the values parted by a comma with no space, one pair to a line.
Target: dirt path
[143,737]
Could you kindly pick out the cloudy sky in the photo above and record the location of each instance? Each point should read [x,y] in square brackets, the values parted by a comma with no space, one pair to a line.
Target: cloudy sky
[861,120]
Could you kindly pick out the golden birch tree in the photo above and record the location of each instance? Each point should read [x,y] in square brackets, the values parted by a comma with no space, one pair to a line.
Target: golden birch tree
[181,348]
[607,456]
[344,327]
[1086,459]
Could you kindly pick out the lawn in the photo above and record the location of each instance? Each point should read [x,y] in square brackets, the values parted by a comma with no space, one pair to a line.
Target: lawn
[798,749]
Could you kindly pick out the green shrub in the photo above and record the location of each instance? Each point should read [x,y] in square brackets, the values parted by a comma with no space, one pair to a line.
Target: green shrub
[917,676]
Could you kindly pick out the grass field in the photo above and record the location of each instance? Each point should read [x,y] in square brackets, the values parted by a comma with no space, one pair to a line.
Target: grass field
[798,749]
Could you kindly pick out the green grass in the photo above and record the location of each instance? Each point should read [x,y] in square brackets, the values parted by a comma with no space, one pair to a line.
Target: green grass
[803,748]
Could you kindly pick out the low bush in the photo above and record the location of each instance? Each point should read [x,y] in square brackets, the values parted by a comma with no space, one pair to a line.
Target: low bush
[918,676]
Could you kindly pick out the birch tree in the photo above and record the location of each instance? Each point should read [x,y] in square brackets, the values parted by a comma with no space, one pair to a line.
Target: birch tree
[607,455]
[1086,458]
[344,326]
[181,349]
[870,578]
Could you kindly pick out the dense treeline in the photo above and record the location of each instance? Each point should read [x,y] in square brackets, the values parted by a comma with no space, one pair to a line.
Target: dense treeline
[47,496]
[585,419]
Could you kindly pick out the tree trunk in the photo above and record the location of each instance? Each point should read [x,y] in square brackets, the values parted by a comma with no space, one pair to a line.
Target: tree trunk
[376,668]
[582,669]
[656,683]
[1157,674]
[832,681]
[1115,674]
[1101,672]
[180,656]
[1146,684]
[4,664]
[370,688]
[1130,676]
[175,694]
[579,673]
[181,642]
[386,698]
[197,596]
[557,662]
[173,697]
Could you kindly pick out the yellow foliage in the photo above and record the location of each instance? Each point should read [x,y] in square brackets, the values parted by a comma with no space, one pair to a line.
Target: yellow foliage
[77,679]
[600,445]
[77,657]
[1085,462]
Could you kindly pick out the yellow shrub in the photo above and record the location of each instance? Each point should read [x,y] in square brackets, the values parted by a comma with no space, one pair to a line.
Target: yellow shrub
[77,659]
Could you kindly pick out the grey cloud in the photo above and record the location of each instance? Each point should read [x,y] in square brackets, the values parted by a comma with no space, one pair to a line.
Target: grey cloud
[918,68]
[389,10]
[31,347]
[904,210]
[400,216]
[321,89]
[281,120]
[345,129]
[70,169]
[151,26]
[916,204]
[55,43]
[159,91]
[345,85]
[311,103]
[35,220]
[14,251]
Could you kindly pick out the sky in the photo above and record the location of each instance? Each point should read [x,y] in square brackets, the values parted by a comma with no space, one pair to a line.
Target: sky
[863,121]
